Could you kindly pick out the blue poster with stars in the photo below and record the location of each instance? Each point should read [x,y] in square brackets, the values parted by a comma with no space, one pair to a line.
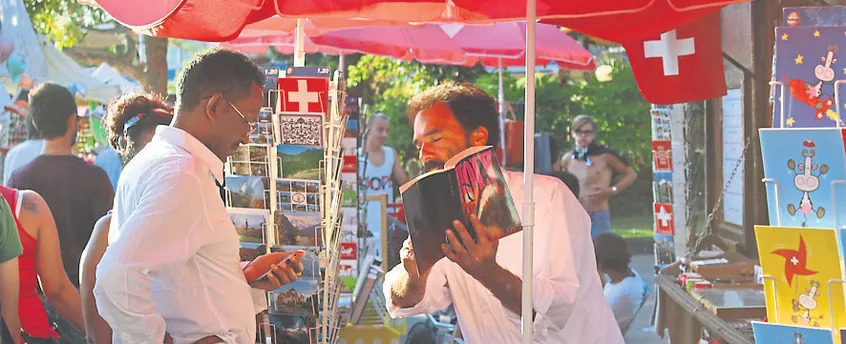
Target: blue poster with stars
[804,171]
[807,74]
[815,16]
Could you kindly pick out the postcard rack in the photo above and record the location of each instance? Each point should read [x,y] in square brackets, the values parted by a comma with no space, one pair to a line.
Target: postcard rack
[283,192]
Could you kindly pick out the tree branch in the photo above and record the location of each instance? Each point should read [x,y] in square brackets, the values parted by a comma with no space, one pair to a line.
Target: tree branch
[125,62]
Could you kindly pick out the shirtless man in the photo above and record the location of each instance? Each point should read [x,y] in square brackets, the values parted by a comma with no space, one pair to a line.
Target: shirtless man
[595,166]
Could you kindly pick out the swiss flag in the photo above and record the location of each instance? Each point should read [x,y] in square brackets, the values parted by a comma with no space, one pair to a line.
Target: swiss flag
[304,95]
[664,218]
[681,65]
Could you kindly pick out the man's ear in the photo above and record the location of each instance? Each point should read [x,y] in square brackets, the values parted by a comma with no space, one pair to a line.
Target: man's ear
[479,136]
[213,106]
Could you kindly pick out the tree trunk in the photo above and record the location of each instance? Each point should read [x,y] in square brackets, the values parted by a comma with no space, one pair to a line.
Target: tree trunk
[152,75]
[155,70]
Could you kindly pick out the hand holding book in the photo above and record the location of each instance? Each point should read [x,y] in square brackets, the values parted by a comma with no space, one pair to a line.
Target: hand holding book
[475,257]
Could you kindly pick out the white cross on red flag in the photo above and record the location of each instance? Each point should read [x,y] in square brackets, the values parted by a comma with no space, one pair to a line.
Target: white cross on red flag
[303,95]
[663,214]
[681,65]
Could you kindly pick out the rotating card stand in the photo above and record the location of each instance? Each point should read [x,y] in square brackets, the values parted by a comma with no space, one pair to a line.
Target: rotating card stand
[773,84]
[777,201]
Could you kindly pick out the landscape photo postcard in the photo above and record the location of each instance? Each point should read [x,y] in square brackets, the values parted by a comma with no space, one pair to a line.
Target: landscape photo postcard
[299,162]
[662,187]
[806,69]
[298,228]
[250,160]
[802,167]
[801,261]
[298,297]
[790,334]
[297,195]
[815,16]
[294,329]
[247,191]
[305,129]
[665,253]
[251,224]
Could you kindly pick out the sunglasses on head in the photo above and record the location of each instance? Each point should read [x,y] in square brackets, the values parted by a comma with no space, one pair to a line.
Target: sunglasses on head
[159,112]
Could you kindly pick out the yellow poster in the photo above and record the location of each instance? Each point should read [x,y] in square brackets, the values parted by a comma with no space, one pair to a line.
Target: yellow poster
[801,261]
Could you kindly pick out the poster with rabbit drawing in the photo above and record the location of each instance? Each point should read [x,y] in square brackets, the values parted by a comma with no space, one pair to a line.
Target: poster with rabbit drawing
[806,71]
[803,170]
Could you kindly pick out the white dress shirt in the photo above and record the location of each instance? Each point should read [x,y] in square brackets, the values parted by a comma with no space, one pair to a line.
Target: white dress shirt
[567,295]
[172,263]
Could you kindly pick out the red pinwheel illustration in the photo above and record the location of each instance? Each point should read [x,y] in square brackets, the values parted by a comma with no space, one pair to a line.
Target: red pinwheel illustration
[810,95]
[795,261]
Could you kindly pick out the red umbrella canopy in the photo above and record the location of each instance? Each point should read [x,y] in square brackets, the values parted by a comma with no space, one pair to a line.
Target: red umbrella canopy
[223,20]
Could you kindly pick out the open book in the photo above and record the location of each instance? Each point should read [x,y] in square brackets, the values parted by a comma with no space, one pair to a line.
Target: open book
[471,183]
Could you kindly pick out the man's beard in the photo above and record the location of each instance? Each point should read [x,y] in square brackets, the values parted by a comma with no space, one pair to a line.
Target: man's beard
[433,165]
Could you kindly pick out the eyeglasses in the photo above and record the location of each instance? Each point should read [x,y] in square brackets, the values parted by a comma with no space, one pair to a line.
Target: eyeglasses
[252,125]
[584,132]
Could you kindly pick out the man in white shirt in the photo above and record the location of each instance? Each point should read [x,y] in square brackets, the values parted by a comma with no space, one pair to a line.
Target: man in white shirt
[483,279]
[173,264]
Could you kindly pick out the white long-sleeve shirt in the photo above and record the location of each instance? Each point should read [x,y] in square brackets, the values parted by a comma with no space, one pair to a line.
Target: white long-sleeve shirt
[567,295]
[172,263]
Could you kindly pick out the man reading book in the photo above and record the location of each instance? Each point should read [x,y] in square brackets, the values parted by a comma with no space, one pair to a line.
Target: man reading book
[482,278]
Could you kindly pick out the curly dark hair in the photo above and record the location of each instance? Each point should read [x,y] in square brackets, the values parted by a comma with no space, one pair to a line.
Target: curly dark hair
[470,105]
[217,70]
[150,110]
[612,252]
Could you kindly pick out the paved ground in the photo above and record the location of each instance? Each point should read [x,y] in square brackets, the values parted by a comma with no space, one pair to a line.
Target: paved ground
[640,332]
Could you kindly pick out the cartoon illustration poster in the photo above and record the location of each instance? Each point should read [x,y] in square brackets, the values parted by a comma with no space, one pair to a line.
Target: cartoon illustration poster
[778,334]
[806,70]
[815,16]
[802,168]
[800,261]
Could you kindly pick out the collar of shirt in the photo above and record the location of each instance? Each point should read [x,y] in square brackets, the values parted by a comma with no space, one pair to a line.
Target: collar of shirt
[188,142]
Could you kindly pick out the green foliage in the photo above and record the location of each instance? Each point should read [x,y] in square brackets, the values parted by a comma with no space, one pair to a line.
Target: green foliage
[621,113]
[63,21]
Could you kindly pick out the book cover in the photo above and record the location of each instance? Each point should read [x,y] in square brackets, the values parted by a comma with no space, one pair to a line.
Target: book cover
[800,261]
[788,334]
[815,16]
[801,170]
[806,69]
[471,183]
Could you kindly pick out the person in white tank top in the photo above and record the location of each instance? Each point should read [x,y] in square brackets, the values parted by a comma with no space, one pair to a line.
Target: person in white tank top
[378,172]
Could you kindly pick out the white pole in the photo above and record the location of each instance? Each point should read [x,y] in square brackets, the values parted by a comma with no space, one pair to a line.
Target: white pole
[341,62]
[501,98]
[299,45]
[528,172]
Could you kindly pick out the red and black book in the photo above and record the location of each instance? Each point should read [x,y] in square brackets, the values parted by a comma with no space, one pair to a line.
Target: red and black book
[471,183]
